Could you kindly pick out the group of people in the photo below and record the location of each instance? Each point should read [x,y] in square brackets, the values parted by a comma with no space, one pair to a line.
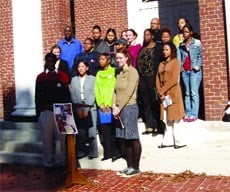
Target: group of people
[121,80]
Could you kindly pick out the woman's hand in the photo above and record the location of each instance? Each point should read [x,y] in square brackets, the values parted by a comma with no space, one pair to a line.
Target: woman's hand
[79,113]
[85,113]
[162,97]
[116,110]
[82,113]
[107,109]
[102,108]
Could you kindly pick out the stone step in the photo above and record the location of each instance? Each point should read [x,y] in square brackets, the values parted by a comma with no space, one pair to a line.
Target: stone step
[23,135]
[21,158]
[20,142]
[18,146]
[18,125]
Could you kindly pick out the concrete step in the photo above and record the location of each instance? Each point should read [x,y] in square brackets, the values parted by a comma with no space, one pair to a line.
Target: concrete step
[22,135]
[20,142]
[18,125]
[19,146]
[21,158]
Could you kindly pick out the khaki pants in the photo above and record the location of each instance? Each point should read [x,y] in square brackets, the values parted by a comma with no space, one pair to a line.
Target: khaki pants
[54,148]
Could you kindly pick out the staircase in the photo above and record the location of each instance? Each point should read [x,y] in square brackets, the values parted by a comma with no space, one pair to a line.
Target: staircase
[20,142]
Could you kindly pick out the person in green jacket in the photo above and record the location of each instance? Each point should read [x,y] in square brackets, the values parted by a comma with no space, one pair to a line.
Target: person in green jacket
[104,88]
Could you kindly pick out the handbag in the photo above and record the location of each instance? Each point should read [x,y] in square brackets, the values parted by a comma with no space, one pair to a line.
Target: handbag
[118,122]
[105,117]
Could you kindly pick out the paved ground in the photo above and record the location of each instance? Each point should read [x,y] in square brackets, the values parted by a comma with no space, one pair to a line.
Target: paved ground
[204,165]
[15,178]
[207,151]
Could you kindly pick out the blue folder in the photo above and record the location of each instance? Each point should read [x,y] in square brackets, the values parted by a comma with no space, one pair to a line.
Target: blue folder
[105,118]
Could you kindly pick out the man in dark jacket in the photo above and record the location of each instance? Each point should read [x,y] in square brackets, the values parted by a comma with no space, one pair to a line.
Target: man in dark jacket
[90,56]
[155,25]
[99,44]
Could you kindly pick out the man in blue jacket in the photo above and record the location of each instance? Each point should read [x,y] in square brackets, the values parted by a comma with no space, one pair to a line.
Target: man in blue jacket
[70,46]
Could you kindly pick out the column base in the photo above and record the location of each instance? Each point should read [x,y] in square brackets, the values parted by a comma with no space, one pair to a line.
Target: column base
[27,111]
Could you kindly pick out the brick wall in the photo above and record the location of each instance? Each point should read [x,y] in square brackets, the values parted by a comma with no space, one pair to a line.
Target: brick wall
[214,58]
[55,16]
[7,80]
[105,13]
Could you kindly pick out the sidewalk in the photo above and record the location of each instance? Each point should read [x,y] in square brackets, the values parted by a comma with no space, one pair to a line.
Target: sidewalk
[207,151]
[204,165]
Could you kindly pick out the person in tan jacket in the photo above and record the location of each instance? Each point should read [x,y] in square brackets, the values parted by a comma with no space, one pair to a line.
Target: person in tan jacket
[125,107]
[169,90]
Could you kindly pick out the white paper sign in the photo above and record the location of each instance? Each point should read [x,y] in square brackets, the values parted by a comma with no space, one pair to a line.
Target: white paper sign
[63,116]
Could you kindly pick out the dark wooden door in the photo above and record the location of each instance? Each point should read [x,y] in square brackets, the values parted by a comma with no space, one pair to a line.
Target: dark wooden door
[170,11]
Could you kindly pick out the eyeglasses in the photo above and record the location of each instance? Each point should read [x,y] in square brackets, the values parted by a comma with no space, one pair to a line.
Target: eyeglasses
[120,58]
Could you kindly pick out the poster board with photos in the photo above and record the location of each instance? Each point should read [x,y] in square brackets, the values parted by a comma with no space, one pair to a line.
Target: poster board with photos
[63,116]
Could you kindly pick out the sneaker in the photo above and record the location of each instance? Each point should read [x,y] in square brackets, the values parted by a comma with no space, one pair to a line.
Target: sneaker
[186,119]
[122,172]
[131,172]
[191,119]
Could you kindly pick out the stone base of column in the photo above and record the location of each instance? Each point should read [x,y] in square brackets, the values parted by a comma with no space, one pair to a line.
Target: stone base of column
[23,110]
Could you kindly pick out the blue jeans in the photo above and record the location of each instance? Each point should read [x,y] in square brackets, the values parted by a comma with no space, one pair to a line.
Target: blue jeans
[191,82]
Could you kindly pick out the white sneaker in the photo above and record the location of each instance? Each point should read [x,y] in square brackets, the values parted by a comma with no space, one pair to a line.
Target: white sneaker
[131,172]
[122,172]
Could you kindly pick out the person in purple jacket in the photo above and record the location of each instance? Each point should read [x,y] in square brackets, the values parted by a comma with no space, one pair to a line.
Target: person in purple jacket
[133,47]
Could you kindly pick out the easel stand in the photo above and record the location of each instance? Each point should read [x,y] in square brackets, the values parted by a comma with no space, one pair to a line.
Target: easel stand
[74,177]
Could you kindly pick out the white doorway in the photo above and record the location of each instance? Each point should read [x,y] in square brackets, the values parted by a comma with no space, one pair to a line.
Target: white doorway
[140,13]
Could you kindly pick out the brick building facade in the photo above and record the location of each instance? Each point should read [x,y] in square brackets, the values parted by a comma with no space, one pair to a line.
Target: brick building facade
[7,81]
[215,62]
[56,14]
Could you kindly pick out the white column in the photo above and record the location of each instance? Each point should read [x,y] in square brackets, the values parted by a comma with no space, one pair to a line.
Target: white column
[140,15]
[28,58]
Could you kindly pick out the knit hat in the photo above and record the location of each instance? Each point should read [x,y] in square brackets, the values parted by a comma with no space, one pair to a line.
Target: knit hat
[121,41]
